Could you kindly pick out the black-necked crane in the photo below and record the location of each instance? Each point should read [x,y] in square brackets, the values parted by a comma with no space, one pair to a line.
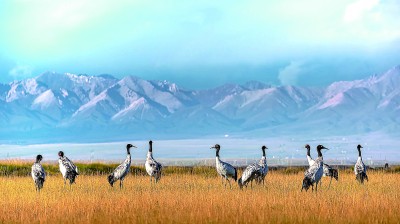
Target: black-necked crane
[225,170]
[122,170]
[328,170]
[359,168]
[264,167]
[153,168]
[38,174]
[252,172]
[314,173]
[68,169]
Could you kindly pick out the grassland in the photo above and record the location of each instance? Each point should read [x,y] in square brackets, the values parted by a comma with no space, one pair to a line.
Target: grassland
[195,195]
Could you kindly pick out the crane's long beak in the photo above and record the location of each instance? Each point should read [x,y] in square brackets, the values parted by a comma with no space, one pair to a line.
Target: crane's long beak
[134,146]
[326,148]
[212,147]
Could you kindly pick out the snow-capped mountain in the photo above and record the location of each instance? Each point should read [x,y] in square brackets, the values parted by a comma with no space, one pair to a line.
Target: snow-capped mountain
[73,107]
[83,86]
[266,107]
[358,106]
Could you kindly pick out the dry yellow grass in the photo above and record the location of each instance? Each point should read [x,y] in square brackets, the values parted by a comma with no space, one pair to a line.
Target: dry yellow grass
[198,199]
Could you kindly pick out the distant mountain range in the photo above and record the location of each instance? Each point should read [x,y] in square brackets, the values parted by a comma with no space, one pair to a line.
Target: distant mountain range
[66,107]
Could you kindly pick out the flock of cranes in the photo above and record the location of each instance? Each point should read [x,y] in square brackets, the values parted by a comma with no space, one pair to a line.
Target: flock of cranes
[254,172]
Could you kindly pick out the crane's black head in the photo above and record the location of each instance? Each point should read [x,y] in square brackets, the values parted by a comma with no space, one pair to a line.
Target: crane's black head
[320,147]
[128,146]
[216,146]
[150,142]
[307,146]
[39,158]
[60,153]
[264,147]
[359,147]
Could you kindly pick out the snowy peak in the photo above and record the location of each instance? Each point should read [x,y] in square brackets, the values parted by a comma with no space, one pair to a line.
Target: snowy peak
[163,93]
[167,86]
[24,89]
[385,83]
[85,87]
[130,96]
[377,89]
[134,106]
[45,100]
[139,111]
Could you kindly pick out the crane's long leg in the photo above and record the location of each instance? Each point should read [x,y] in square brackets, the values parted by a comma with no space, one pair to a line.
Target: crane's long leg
[120,184]
[229,183]
[330,182]
[316,187]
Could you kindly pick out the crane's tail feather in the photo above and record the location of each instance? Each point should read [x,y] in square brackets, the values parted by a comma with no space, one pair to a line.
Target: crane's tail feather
[110,179]
[39,182]
[71,175]
[306,183]
[240,183]
[361,177]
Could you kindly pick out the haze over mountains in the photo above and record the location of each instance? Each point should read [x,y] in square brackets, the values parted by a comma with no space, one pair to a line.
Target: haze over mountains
[65,107]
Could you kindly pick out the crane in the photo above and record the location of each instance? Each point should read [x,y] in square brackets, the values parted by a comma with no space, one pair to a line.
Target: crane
[122,170]
[38,174]
[225,170]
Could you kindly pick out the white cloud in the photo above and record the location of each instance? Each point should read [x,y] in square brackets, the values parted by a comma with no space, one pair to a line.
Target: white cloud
[356,10]
[289,75]
[21,71]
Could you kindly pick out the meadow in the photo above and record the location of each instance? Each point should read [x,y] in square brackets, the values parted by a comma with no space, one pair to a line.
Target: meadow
[195,195]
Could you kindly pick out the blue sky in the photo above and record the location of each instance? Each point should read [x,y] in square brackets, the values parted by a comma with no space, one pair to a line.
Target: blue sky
[201,44]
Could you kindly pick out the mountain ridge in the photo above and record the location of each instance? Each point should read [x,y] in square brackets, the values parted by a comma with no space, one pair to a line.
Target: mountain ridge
[55,106]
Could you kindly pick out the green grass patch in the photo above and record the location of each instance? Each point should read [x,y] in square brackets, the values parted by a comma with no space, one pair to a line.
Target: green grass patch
[24,169]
